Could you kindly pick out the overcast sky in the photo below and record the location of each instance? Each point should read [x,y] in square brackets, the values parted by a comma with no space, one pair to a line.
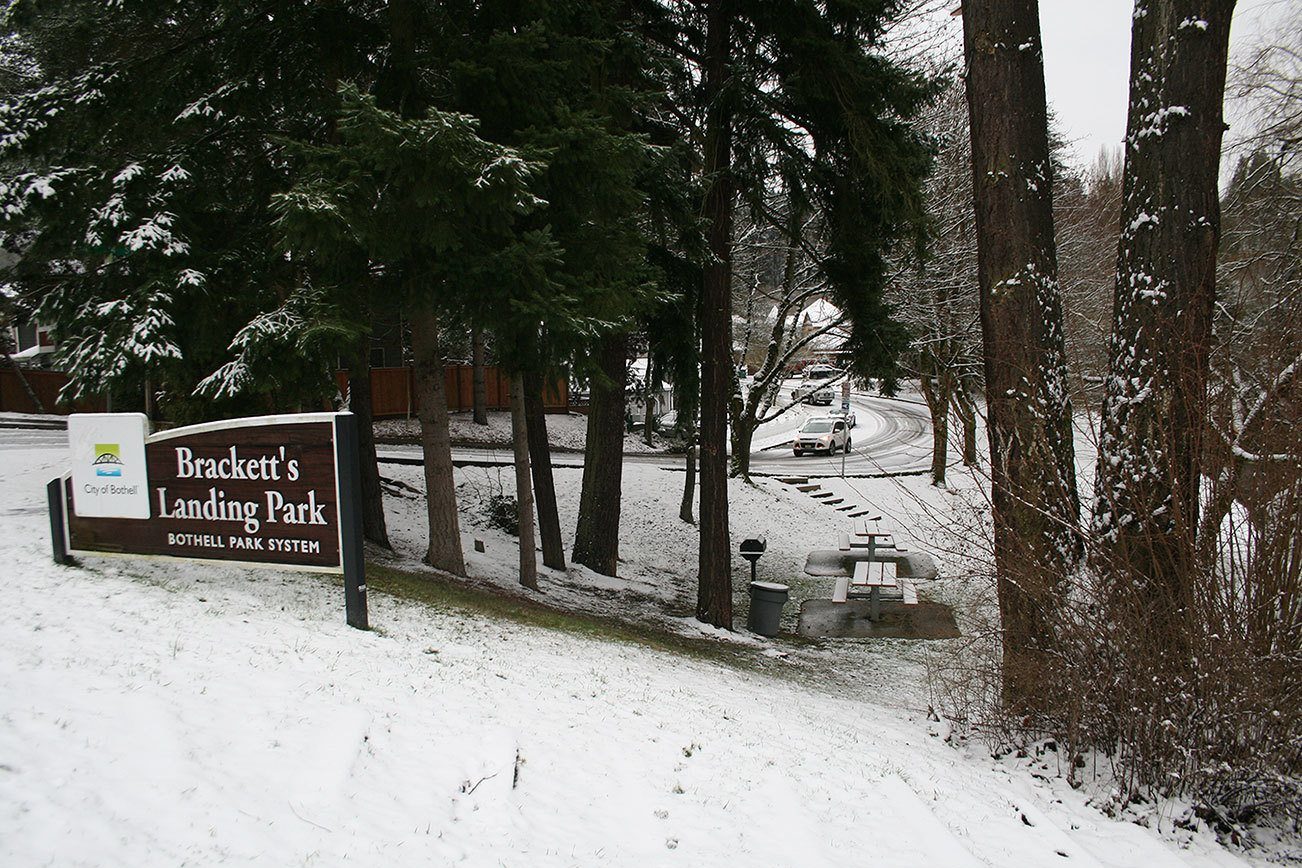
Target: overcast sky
[1087,63]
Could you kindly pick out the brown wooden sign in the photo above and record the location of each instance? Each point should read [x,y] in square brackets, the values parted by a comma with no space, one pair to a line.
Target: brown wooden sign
[272,490]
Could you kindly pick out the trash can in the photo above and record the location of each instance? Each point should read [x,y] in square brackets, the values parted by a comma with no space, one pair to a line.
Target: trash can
[766,602]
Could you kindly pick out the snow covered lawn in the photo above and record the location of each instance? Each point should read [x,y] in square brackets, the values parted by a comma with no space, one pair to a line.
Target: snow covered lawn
[164,714]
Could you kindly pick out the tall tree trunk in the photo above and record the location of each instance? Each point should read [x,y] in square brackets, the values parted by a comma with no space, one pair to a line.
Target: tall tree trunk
[936,392]
[444,550]
[648,424]
[374,527]
[965,408]
[523,485]
[478,384]
[540,460]
[741,433]
[714,588]
[596,538]
[689,486]
[1034,494]
[1155,401]
[359,402]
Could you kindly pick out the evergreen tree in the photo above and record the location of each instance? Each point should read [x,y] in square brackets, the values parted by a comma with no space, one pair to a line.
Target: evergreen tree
[794,90]
[435,209]
[139,175]
[573,85]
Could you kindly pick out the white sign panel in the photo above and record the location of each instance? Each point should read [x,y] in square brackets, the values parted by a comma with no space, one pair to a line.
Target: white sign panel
[109,478]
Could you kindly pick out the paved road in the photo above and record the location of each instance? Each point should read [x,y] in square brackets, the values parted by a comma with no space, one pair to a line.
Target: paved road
[891,437]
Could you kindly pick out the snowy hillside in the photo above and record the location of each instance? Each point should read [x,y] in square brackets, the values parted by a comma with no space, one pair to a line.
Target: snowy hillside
[164,714]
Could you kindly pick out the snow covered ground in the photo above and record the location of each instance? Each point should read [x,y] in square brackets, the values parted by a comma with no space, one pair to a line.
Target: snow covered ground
[163,714]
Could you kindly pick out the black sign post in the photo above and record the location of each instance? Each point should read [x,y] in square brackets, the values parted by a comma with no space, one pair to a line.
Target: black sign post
[58,538]
[350,520]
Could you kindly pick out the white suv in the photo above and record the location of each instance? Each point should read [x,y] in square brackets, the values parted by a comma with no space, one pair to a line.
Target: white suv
[821,434]
[816,389]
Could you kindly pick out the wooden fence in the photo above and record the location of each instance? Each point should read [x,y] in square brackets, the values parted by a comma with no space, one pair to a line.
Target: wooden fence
[392,391]
[46,385]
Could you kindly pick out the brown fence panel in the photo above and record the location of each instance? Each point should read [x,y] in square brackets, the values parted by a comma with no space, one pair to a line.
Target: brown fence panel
[465,388]
[46,385]
[556,397]
[393,391]
[461,388]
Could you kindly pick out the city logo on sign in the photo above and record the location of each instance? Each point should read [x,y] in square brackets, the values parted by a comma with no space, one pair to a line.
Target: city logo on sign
[108,459]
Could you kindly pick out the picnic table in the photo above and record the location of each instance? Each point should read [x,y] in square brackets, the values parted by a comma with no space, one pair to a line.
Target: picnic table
[864,576]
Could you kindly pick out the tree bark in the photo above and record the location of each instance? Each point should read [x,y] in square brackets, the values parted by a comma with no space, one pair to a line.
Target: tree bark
[444,552]
[359,402]
[1034,494]
[965,408]
[648,425]
[540,460]
[596,538]
[689,487]
[523,485]
[478,385]
[936,392]
[741,434]
[714,588]
[1155,402]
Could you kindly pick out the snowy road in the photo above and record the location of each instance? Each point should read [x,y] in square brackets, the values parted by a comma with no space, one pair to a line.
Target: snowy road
[891,437]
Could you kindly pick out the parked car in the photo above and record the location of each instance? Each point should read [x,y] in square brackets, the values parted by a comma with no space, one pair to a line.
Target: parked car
[847,415]
[811,393]
[822,372]
[822,434]
[816,388]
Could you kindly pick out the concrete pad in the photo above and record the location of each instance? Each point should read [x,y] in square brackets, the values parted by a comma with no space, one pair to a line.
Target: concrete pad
[823,619]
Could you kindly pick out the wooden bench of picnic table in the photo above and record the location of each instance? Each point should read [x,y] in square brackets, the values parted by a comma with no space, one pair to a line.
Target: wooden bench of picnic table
[845,543]
[840,562]
[874,581]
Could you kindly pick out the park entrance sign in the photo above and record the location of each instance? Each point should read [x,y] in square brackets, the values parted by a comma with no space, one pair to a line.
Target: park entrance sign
[279,491]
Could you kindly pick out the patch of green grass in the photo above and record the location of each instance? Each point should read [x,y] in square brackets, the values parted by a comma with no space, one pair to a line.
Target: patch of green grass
[441,592]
